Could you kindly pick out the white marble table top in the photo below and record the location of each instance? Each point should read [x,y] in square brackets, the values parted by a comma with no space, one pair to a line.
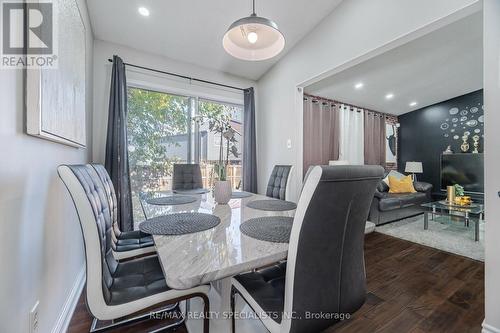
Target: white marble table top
[199,258]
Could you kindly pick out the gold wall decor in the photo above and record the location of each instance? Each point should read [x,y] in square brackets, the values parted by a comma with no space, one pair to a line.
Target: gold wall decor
[465,145]
[476,144]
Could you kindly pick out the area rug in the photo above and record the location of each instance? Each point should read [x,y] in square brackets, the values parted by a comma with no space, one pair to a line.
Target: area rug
[443,234]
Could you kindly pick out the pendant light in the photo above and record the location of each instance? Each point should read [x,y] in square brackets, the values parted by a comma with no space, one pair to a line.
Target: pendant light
[253,38]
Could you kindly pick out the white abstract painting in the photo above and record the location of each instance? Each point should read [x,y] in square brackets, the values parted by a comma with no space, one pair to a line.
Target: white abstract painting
[55,98]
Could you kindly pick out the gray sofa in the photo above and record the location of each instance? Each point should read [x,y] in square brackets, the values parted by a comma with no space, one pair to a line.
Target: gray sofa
[388,207]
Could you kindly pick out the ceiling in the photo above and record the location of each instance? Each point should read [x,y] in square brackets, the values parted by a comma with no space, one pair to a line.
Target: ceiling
[441,65]
[192,30]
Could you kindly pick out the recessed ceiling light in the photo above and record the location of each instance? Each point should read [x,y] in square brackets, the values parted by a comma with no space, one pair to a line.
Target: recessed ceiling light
[359,85]
[413,103]
[389,96]
[143,11]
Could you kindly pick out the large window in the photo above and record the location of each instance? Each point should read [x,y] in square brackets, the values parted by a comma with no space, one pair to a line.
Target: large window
[161,132]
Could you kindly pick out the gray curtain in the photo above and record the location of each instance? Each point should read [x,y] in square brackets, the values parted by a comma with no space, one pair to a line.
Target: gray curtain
[374,141]
[249,143]
[116,162]
[321,132]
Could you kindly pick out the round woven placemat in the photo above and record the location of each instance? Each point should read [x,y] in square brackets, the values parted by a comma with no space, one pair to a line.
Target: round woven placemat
[171,200]
[272,205]
[179,224]
[274,229]
[240,194]
[192,191]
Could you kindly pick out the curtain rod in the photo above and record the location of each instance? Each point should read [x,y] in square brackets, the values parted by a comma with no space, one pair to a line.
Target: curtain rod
[351,105]
[181,76]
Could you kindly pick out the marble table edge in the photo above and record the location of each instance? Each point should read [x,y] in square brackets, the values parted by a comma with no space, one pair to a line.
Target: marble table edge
[180,282]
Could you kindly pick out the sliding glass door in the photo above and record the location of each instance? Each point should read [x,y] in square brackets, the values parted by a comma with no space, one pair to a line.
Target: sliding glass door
[210,144]
[161,132]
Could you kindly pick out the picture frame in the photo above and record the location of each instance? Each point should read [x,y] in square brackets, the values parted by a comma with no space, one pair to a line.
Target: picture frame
[55,98]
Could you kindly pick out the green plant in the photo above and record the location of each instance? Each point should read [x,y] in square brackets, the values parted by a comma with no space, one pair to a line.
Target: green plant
[153,121]
[219,123]
[459,190]
[221,171]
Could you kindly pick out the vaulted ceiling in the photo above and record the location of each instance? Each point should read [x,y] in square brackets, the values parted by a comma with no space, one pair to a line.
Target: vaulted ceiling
[192,30]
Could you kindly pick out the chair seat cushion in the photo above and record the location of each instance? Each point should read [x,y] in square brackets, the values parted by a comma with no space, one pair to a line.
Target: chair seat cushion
[134,234]
[133,280]
[132,240]
[391,201]
[267,288]
[413,199]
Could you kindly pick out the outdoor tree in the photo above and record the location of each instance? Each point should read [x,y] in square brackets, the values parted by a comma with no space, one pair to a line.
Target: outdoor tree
[155,123]
[154,118]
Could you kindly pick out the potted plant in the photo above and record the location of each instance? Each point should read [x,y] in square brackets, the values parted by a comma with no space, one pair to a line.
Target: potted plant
[219,123]
[459,190]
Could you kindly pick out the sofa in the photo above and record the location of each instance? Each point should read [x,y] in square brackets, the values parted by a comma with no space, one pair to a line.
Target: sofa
[388,207]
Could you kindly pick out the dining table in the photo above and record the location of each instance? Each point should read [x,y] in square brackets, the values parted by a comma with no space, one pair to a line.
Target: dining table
[215,255]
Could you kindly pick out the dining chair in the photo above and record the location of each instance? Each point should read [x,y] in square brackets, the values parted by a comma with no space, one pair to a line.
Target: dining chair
[125,244]
[187,177]
[279,181]
[117,289]
[324,277]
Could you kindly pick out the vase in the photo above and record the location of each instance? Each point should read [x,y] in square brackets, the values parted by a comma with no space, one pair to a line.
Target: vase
[451,194]
[222,191]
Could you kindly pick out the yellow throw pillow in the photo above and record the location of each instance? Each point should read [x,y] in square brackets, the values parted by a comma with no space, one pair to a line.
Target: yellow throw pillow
[403,185]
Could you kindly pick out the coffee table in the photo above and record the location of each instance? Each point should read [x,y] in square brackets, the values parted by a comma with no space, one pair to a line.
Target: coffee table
[468,213]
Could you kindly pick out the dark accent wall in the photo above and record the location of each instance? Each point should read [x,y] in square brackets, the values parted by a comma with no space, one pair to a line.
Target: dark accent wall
[425,133]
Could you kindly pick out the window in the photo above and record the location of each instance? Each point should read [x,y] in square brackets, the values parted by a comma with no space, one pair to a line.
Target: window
[210,144]
[161,132]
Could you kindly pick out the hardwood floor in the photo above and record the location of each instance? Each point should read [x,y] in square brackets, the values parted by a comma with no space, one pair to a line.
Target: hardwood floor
[414,288]
[411,288]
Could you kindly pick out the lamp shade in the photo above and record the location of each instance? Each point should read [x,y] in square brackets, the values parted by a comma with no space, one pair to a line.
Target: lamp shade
[253,38]
[414,167]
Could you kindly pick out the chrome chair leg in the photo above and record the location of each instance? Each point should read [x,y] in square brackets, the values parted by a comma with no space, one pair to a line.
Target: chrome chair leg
[150,315]
[233,310]
[136,319]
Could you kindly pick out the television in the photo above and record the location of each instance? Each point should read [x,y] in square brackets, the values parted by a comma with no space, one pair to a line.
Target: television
[466,170]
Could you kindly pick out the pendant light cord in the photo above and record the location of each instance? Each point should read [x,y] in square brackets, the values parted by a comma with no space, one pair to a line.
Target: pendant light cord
[253,8]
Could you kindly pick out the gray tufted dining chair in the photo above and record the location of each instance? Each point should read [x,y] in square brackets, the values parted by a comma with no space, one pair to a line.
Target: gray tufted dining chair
[116,289]
[325,271]
[125,244]
[279,181]
[187,177]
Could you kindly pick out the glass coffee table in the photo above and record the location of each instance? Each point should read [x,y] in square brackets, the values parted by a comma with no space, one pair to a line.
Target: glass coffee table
[473,213]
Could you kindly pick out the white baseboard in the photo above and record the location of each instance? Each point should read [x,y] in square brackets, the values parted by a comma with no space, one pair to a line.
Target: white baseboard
[69,306]
[489,329]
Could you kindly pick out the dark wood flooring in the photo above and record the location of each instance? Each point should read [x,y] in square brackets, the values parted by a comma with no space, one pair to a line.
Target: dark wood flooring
[411,288]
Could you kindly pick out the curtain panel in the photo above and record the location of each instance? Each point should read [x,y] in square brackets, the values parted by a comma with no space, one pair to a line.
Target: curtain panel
[116,161]
[352,142]
[336,131]
[321,132]
[374,138]
[249,143]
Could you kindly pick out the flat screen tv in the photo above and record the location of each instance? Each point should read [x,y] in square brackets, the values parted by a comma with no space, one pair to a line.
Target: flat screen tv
[463,169]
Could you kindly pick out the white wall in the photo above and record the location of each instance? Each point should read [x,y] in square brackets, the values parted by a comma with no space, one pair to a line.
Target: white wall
[102,73]
[492,163]
[354,28]
[41,249]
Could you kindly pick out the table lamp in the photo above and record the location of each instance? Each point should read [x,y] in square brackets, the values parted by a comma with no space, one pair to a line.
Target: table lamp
[413,168]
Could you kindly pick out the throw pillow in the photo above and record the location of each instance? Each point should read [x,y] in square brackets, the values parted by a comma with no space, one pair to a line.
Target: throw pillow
[404,185]
[393,173]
